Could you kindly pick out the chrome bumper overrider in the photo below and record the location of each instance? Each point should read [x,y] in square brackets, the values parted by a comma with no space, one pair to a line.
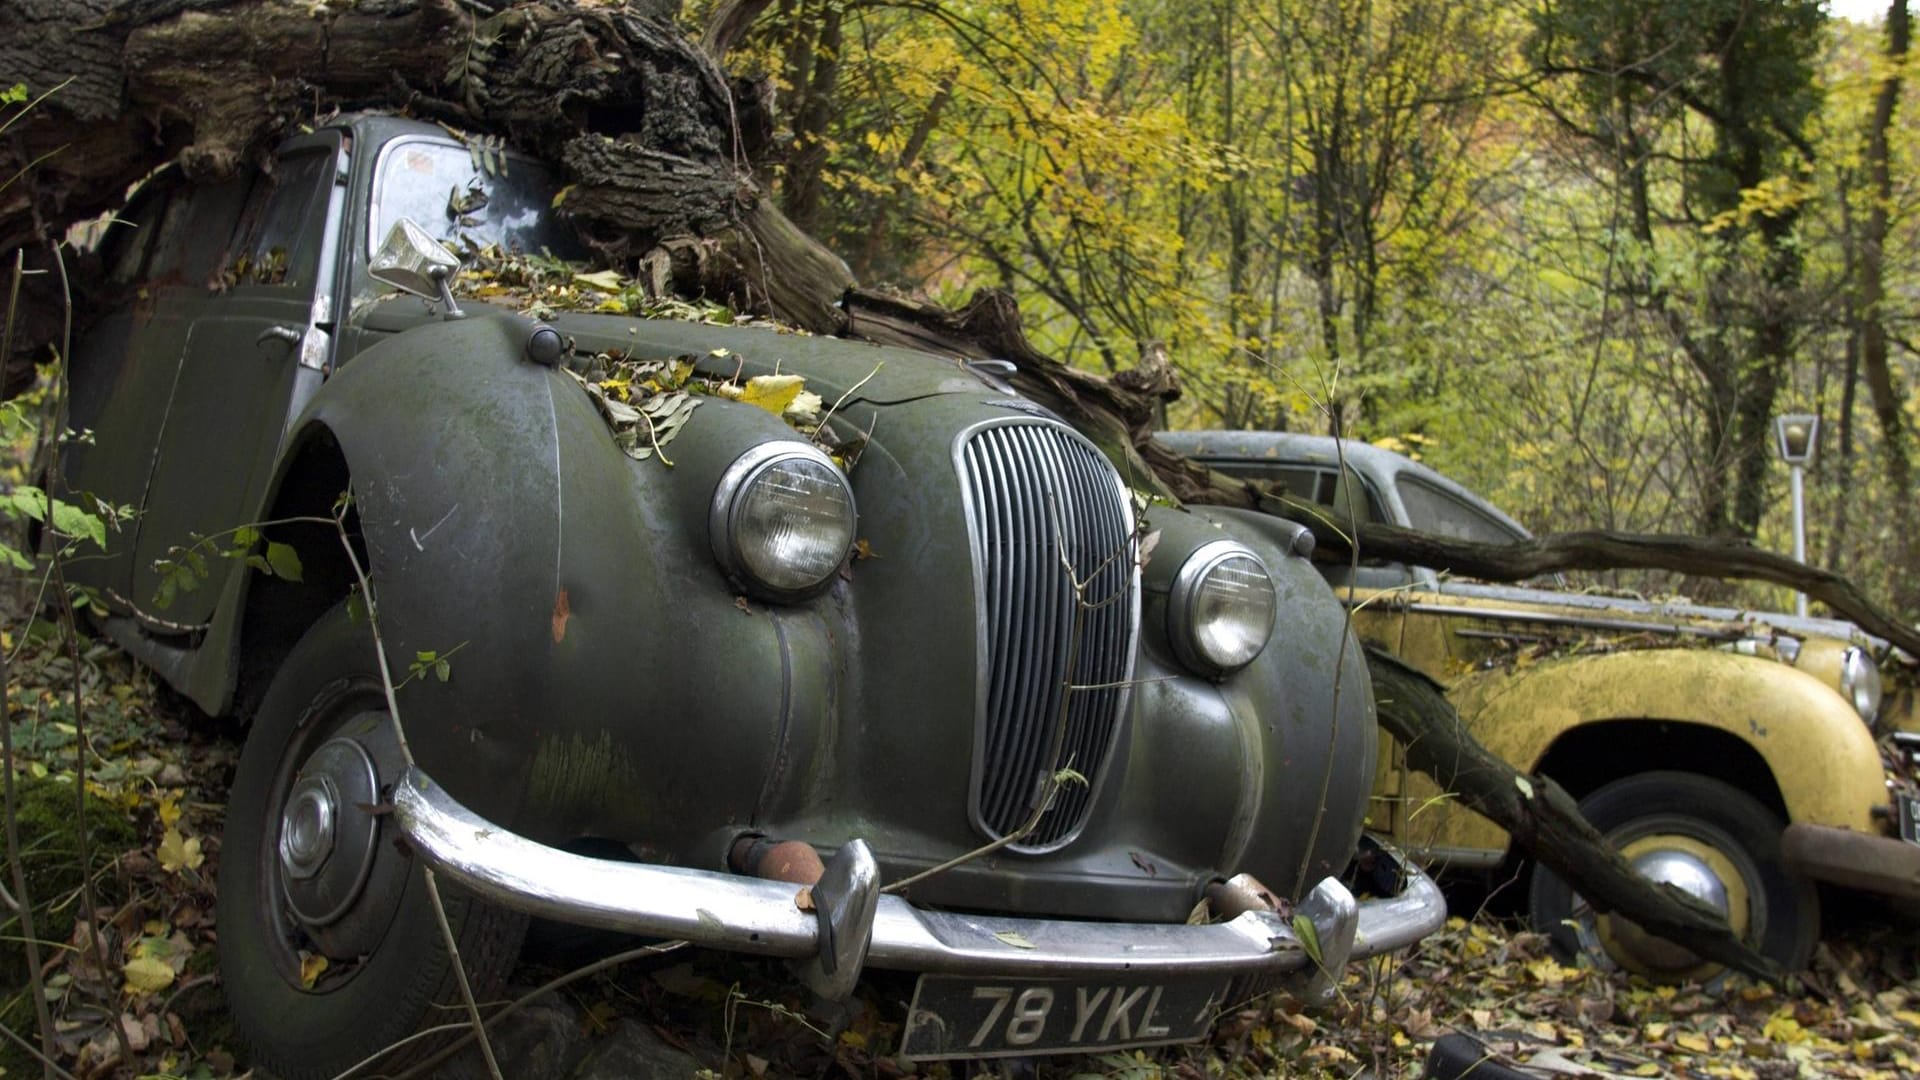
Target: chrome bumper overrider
[853,926]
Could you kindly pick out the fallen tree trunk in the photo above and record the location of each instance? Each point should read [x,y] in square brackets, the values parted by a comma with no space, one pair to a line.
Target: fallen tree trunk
[1601,550]
[1543,819]
[661,148]
[1723,558]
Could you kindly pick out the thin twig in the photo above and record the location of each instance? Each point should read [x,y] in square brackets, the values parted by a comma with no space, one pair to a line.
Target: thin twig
[1350,483]
[48,1068]
[23,898]
[31,105]
[460,973]
[185,985]
[70,623]
[406,755]
[849,392]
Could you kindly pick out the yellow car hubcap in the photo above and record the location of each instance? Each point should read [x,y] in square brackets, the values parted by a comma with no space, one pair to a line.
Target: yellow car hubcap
[1694,867]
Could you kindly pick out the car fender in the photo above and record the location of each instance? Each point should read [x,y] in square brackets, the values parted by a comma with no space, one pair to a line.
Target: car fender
[591,638]
[1821,756]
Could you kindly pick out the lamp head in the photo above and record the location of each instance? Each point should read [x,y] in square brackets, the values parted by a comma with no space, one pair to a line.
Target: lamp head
[1796,435]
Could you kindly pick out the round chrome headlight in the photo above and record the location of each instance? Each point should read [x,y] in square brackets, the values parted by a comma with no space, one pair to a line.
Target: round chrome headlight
[1220,610]
[1860,681]
[782,520]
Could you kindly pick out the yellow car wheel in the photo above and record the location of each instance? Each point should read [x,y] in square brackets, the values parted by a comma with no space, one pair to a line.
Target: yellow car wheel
[1705,837]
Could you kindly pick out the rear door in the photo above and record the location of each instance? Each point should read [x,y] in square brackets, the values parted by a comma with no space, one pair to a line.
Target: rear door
[254,353]
[159,254]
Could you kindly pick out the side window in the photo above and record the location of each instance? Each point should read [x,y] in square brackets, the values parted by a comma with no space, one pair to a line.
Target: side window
[1310,483]
[1301,482]
[280,239]
[1430,509]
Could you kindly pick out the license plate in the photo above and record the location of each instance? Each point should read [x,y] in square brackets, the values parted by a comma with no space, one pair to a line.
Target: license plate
[961,1017]
[1909,808]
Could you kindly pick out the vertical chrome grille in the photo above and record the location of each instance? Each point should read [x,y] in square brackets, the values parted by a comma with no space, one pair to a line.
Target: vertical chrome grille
[1031,486]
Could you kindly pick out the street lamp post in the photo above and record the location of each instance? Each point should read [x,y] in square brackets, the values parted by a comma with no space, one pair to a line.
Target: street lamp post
[1795,436]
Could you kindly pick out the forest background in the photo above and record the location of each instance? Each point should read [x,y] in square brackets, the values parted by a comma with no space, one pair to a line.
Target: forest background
[1576,254]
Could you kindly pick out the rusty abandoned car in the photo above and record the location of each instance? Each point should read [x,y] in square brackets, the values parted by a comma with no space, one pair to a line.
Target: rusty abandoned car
[1729,753]
[652,667]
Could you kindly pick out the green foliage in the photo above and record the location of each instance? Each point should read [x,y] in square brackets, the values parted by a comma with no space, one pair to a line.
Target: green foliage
[429,661]
[182,569]
[74,525]
[1584,250]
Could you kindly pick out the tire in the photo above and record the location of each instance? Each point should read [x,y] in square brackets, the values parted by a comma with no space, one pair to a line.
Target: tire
[1703,823]
[388,972]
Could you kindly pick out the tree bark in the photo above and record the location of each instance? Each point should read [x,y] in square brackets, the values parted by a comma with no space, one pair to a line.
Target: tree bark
[1870,296]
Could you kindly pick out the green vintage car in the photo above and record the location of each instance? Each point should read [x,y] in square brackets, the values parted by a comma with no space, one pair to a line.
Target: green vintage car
[661,697]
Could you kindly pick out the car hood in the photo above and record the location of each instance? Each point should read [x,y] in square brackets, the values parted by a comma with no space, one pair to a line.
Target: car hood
[1661,613]
[835,368]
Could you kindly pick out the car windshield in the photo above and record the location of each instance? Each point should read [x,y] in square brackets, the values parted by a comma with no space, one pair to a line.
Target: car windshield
[440,187]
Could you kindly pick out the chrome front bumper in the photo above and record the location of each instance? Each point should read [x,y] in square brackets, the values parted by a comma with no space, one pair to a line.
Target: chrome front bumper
[852,925]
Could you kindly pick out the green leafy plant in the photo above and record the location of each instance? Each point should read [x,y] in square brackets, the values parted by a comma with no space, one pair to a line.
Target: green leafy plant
[182,569]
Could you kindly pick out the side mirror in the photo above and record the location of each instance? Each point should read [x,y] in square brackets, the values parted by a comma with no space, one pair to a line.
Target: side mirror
[411,260]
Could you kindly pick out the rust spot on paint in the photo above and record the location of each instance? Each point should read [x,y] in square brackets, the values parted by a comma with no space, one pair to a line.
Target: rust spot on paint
[562,612]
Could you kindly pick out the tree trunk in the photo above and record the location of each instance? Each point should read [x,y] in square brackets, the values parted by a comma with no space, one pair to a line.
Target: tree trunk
[1870,296]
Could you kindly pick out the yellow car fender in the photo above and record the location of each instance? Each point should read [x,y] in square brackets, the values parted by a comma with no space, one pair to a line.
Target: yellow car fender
[1821,756]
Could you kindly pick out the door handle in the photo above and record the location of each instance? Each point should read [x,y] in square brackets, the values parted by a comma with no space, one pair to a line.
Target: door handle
[288,334]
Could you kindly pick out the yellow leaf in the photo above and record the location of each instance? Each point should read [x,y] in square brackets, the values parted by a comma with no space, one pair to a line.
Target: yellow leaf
[1690,1041]
[179,853]
[604,280]
[312,966]
[147,975]
[1547,971]
[1781,1027]
[169,811]
[773,392]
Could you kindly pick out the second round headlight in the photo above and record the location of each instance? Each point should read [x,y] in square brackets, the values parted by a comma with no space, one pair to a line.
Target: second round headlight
[1860,680]
[782,519]
[1220,610]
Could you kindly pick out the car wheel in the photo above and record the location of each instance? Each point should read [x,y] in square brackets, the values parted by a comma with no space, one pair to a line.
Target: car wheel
[329,948]
[1704,836]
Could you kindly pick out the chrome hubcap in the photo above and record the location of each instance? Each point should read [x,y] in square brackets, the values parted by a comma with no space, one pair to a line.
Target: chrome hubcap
[306,828]
[326,843]
[1684,871]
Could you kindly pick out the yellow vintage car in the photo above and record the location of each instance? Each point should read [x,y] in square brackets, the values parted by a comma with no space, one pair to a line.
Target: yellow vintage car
[1735,754]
